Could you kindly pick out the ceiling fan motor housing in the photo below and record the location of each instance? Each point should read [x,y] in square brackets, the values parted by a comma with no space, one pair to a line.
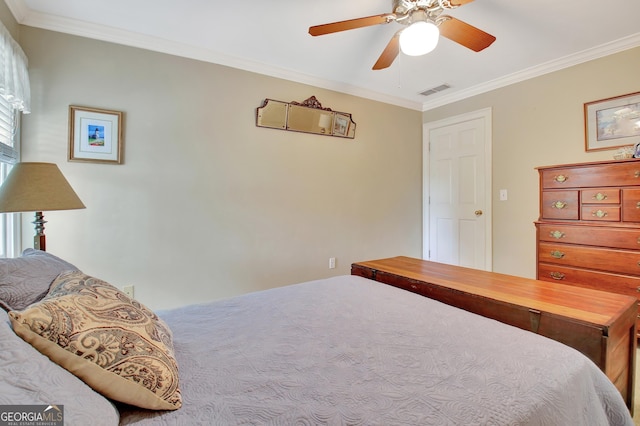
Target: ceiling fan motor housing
[402,7]
[409,11]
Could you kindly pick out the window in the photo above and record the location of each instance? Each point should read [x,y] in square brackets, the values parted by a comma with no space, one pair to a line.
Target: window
[9,155]
[15,96]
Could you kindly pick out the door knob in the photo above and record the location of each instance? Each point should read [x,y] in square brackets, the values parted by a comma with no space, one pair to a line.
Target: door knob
[478,212]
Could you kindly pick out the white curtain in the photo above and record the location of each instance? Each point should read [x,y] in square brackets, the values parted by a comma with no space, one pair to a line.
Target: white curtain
[14,77]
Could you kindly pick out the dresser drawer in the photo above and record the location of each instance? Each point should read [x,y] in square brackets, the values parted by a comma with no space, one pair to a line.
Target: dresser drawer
[631,205]
[602,259]
[621,174]
[605,281]
[624,238]
[560,205]
[600,196]
[602,213]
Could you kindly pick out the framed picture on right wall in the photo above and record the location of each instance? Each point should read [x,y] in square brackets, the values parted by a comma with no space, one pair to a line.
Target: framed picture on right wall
[612,122]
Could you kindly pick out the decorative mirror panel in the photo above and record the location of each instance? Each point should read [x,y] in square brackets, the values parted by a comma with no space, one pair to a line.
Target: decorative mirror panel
[308,117]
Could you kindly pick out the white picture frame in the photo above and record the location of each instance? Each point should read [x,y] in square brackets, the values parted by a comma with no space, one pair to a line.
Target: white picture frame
[612,123]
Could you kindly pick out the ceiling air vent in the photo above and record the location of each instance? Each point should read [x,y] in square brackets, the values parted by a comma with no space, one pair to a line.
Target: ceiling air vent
[434,90]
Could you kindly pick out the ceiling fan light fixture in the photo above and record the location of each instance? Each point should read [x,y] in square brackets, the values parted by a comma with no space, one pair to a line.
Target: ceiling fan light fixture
[419,38]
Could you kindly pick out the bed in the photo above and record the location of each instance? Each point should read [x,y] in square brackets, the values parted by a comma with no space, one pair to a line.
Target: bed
[337,351]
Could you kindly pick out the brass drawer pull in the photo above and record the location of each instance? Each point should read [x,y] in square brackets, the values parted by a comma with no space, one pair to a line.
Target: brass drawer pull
[637,173]
[599,213]
[558,254]
[563,178]
[638,205]
[559,205]
[600,196]
[638,289]
[558,234]
[557,275]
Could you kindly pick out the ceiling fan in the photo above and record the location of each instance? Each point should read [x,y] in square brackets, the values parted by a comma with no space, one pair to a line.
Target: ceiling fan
[425,15]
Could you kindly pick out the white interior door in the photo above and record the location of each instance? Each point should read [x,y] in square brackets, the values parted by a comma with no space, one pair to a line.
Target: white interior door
[457,190]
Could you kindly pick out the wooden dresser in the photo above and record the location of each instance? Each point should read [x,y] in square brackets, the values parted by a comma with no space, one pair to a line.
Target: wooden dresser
[588,233]
[603,330]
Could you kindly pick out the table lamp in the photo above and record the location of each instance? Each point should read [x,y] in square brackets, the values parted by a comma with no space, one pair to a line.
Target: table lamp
[36,187]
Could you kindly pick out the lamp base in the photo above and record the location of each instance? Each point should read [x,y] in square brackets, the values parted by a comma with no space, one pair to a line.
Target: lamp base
[39,240]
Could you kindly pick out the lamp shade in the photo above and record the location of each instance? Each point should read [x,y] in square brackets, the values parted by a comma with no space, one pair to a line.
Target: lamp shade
[37,187]
[419,38]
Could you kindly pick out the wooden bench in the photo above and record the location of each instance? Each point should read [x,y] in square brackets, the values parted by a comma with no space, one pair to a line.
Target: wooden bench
[599,324]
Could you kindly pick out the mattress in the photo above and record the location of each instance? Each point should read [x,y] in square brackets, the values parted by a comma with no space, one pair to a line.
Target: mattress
[348,350]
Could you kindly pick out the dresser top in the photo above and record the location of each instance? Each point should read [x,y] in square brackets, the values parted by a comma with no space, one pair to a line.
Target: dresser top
[592,306]
[590,163]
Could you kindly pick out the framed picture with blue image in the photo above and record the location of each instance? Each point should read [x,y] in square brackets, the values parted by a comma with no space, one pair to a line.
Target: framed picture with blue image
[95,135]
[612,122]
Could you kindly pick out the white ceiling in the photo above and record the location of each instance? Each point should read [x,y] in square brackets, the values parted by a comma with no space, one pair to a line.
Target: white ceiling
[271,37]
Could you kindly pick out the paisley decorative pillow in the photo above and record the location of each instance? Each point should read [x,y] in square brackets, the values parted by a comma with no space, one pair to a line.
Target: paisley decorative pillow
[113,343]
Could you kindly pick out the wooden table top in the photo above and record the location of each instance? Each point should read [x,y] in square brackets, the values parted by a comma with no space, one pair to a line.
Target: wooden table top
[585,304]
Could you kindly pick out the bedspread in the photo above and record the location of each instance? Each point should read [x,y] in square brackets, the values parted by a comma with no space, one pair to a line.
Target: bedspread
[351,351]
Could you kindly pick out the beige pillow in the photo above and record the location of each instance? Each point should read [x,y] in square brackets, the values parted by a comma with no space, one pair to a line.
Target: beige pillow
[113,343]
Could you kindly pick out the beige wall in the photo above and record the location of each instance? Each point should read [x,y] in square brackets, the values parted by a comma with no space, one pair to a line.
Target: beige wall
[207,205]
[9,21]
[535,123]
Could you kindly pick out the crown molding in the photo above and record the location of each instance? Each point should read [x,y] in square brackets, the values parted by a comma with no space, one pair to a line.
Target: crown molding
[18,8]
[556,65]
[28,17]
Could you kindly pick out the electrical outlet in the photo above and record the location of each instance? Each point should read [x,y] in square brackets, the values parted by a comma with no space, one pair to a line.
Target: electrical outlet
[128,290]
[332,263]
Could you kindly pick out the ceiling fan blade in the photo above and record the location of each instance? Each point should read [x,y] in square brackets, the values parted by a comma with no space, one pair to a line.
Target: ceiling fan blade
[389,53]
[350,24]
[460,2]
[465,34]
